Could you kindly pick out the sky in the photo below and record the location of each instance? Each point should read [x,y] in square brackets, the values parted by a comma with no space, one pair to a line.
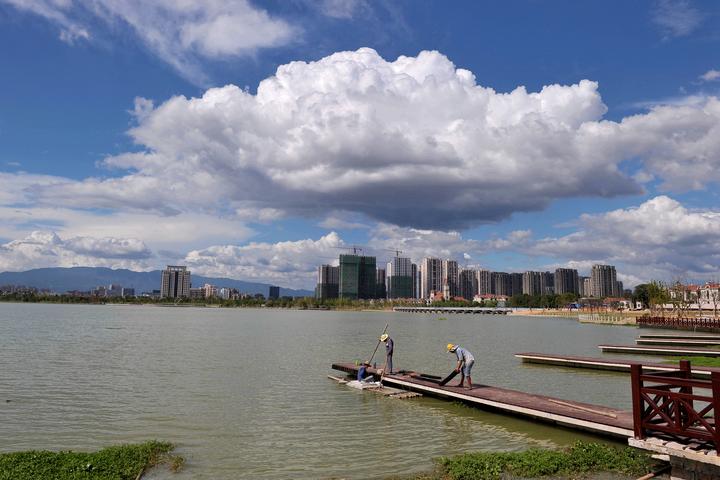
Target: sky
[257,140]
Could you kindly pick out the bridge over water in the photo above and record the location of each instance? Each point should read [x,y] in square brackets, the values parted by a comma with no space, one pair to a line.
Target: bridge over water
[475,310]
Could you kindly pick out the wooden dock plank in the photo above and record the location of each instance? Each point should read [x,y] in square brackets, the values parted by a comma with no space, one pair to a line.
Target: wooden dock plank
[647,350]
[680,342]
[680,336]
[581,416]
[616,365]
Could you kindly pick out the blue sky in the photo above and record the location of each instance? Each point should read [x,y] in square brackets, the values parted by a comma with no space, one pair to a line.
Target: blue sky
[94,127]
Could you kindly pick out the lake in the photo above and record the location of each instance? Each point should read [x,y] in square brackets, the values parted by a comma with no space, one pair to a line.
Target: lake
[244,394]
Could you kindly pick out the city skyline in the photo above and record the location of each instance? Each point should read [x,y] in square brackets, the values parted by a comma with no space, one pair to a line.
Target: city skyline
[359,277]
[421,132]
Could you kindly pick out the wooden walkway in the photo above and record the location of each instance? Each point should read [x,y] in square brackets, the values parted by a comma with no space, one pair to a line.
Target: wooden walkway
[678,342]
[661,351]
[575,415]
[680,336]
[606,364]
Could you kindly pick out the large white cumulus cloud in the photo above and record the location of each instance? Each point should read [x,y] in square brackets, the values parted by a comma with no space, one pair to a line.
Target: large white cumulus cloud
[292,263]
[659,239]
[46,249]
[414,142]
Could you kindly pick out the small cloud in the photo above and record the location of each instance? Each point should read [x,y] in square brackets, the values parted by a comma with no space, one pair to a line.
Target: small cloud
[335,223]
[643,177]
[710,76]
[74,33]
[467,256]
[12,164]
[341,8]
[676,18]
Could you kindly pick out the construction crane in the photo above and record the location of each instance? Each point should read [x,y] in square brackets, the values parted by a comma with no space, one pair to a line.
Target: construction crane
[355,248]
[394,250]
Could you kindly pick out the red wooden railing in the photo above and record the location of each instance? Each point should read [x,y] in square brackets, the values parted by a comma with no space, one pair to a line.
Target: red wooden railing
[679,323]
[676,405]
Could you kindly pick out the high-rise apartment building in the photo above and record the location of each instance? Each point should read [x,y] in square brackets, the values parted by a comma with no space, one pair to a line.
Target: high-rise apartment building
[274,292]
[516,282]
[380,287]
[549,283]
[567,281]
[586,290]
[400,278]
[467,281]
[502,283]
[604,280]
[533,283]
[175,282]
[430,277]
[357,277]
[450,277]
[415,281]
[619,290]
[328,285]
[484,282]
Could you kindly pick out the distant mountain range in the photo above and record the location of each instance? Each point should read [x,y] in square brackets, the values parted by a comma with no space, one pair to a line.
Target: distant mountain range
[86,278]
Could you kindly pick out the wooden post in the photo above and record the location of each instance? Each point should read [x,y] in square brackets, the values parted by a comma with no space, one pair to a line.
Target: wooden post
[686,373]
[637,403]
[715,380]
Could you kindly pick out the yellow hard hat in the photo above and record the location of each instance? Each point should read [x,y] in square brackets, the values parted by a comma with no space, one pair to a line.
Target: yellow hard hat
[384,337]
[450,347]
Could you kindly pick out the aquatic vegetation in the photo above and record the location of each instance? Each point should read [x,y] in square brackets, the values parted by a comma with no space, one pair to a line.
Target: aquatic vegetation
[124,462]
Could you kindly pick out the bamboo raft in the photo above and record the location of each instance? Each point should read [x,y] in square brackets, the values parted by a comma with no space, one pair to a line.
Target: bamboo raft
[385,391]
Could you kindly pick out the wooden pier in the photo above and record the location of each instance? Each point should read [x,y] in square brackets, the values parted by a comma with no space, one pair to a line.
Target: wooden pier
[606,364]
[596,419]
[689,336]
[680,342]
[661,351]
[475,310]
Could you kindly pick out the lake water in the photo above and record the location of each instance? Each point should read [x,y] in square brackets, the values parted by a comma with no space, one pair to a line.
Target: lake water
[244,394]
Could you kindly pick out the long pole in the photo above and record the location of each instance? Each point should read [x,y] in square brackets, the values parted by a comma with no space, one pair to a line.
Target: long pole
[378,344]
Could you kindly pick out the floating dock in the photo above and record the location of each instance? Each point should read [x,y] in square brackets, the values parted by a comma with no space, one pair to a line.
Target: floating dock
[684,342]
[662,351]
[680,336]
[596,419]
[606,364]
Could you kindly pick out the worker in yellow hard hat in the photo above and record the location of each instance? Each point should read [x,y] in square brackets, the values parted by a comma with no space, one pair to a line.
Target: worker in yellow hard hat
[465,363]
[389,350]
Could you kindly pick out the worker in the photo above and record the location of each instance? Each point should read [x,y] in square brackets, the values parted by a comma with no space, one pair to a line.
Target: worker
[363,374]
[389,348]
[465,363]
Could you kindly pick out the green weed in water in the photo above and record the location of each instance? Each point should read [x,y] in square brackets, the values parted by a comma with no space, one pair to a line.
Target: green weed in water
[123,462]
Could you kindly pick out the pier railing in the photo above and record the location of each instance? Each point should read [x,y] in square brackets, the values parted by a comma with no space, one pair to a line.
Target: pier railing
[676,405]
[683,323]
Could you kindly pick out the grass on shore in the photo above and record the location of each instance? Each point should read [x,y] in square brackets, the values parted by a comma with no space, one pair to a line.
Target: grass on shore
[580,460]
[124,462]
[697,361]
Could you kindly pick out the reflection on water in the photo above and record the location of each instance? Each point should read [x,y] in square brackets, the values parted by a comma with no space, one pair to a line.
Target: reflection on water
[244,393]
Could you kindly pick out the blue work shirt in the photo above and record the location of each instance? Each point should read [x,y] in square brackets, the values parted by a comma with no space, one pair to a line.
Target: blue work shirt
[389,346]
[362,373]
[463,355]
